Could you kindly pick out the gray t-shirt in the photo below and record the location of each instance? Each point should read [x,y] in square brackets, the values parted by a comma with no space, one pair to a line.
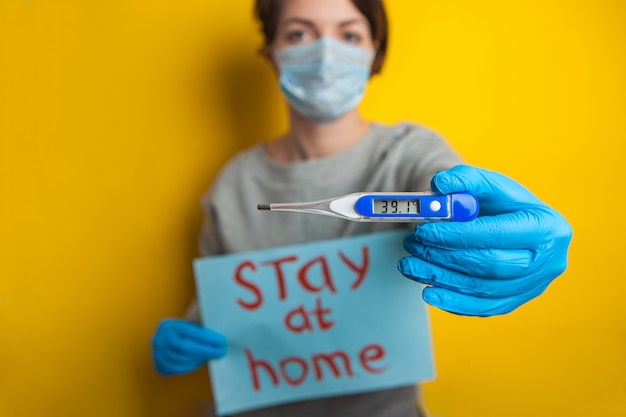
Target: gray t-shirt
[403,157]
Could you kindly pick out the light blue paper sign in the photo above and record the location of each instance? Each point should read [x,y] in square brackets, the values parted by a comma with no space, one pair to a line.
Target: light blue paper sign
[313,320]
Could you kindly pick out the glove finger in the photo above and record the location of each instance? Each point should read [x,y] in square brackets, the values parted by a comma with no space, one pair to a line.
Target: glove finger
[188,339]
[169,364]
[524,229]
[496,193]
[482,263]
[196,344]
[193,359]
[190,331]
[430,274]
[468,305]
[210,337]
[192,348]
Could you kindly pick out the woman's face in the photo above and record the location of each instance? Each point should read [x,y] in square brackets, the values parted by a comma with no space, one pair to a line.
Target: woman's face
[305,21]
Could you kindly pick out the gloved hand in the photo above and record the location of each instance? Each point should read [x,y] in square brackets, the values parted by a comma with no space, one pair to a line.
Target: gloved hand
[496,262]
[180,346]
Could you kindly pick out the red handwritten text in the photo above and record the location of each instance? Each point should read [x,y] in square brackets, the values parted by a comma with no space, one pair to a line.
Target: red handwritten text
[305,276]
[294,370]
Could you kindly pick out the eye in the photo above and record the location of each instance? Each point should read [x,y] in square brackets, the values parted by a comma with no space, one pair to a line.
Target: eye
[352,37]
[298,36]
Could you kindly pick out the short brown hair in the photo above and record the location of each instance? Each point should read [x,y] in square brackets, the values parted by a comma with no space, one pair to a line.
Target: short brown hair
[267,12]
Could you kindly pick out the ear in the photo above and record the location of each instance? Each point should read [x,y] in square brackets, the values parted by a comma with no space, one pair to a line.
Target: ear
[375,61]
[268,52]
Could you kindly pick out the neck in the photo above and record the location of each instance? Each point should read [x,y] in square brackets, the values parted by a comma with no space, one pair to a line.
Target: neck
[308,140]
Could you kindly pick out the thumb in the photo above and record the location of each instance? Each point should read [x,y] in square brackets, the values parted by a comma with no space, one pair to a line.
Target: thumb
[496,193]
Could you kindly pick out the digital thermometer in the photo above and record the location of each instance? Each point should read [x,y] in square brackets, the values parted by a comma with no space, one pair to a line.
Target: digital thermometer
[418,207]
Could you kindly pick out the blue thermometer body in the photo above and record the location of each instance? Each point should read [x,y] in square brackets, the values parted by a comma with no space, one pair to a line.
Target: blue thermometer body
[416,207]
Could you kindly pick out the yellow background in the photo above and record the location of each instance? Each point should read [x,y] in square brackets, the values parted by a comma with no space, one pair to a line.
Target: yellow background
[115,116]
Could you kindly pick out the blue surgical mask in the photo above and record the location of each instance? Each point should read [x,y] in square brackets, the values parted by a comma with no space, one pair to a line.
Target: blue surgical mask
[325,79]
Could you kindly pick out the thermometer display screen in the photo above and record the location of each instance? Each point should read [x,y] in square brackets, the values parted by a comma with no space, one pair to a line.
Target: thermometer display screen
[396,206]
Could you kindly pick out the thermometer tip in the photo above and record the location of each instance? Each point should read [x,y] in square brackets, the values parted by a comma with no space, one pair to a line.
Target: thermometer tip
[263,206]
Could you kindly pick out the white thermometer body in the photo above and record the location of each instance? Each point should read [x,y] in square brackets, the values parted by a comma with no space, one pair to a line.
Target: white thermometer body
[416,207]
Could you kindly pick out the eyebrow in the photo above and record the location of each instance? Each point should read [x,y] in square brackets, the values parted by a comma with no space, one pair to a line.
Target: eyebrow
[352,21]
[296,20]
[310,23]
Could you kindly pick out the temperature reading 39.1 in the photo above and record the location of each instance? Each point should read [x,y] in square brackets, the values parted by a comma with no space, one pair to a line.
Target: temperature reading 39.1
[399,206]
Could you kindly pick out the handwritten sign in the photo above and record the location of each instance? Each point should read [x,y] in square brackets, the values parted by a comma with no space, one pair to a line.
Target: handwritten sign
[313,320]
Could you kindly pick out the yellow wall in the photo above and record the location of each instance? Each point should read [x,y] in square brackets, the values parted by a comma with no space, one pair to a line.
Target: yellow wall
[115,115]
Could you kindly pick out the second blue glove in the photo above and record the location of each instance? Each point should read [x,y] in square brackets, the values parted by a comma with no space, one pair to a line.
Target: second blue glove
[180,346]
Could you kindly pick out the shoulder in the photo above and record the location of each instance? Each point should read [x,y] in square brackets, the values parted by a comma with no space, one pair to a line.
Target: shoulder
[412,154]
[410,140]
[243,163]
[409,134]
[240,169]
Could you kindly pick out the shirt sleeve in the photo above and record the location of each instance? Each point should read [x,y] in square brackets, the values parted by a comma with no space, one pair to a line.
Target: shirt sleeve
[209,243]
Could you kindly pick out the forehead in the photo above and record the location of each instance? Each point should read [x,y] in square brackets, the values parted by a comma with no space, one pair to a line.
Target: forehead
[321,11]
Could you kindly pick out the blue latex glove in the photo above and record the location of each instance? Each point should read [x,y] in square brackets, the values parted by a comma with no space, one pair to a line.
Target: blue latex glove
[496,262]
[180,346]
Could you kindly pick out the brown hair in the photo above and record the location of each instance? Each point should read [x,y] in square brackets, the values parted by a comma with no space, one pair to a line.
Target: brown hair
[268,11]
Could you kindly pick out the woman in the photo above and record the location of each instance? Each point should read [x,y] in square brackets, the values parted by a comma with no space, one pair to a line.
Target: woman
[324,53]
